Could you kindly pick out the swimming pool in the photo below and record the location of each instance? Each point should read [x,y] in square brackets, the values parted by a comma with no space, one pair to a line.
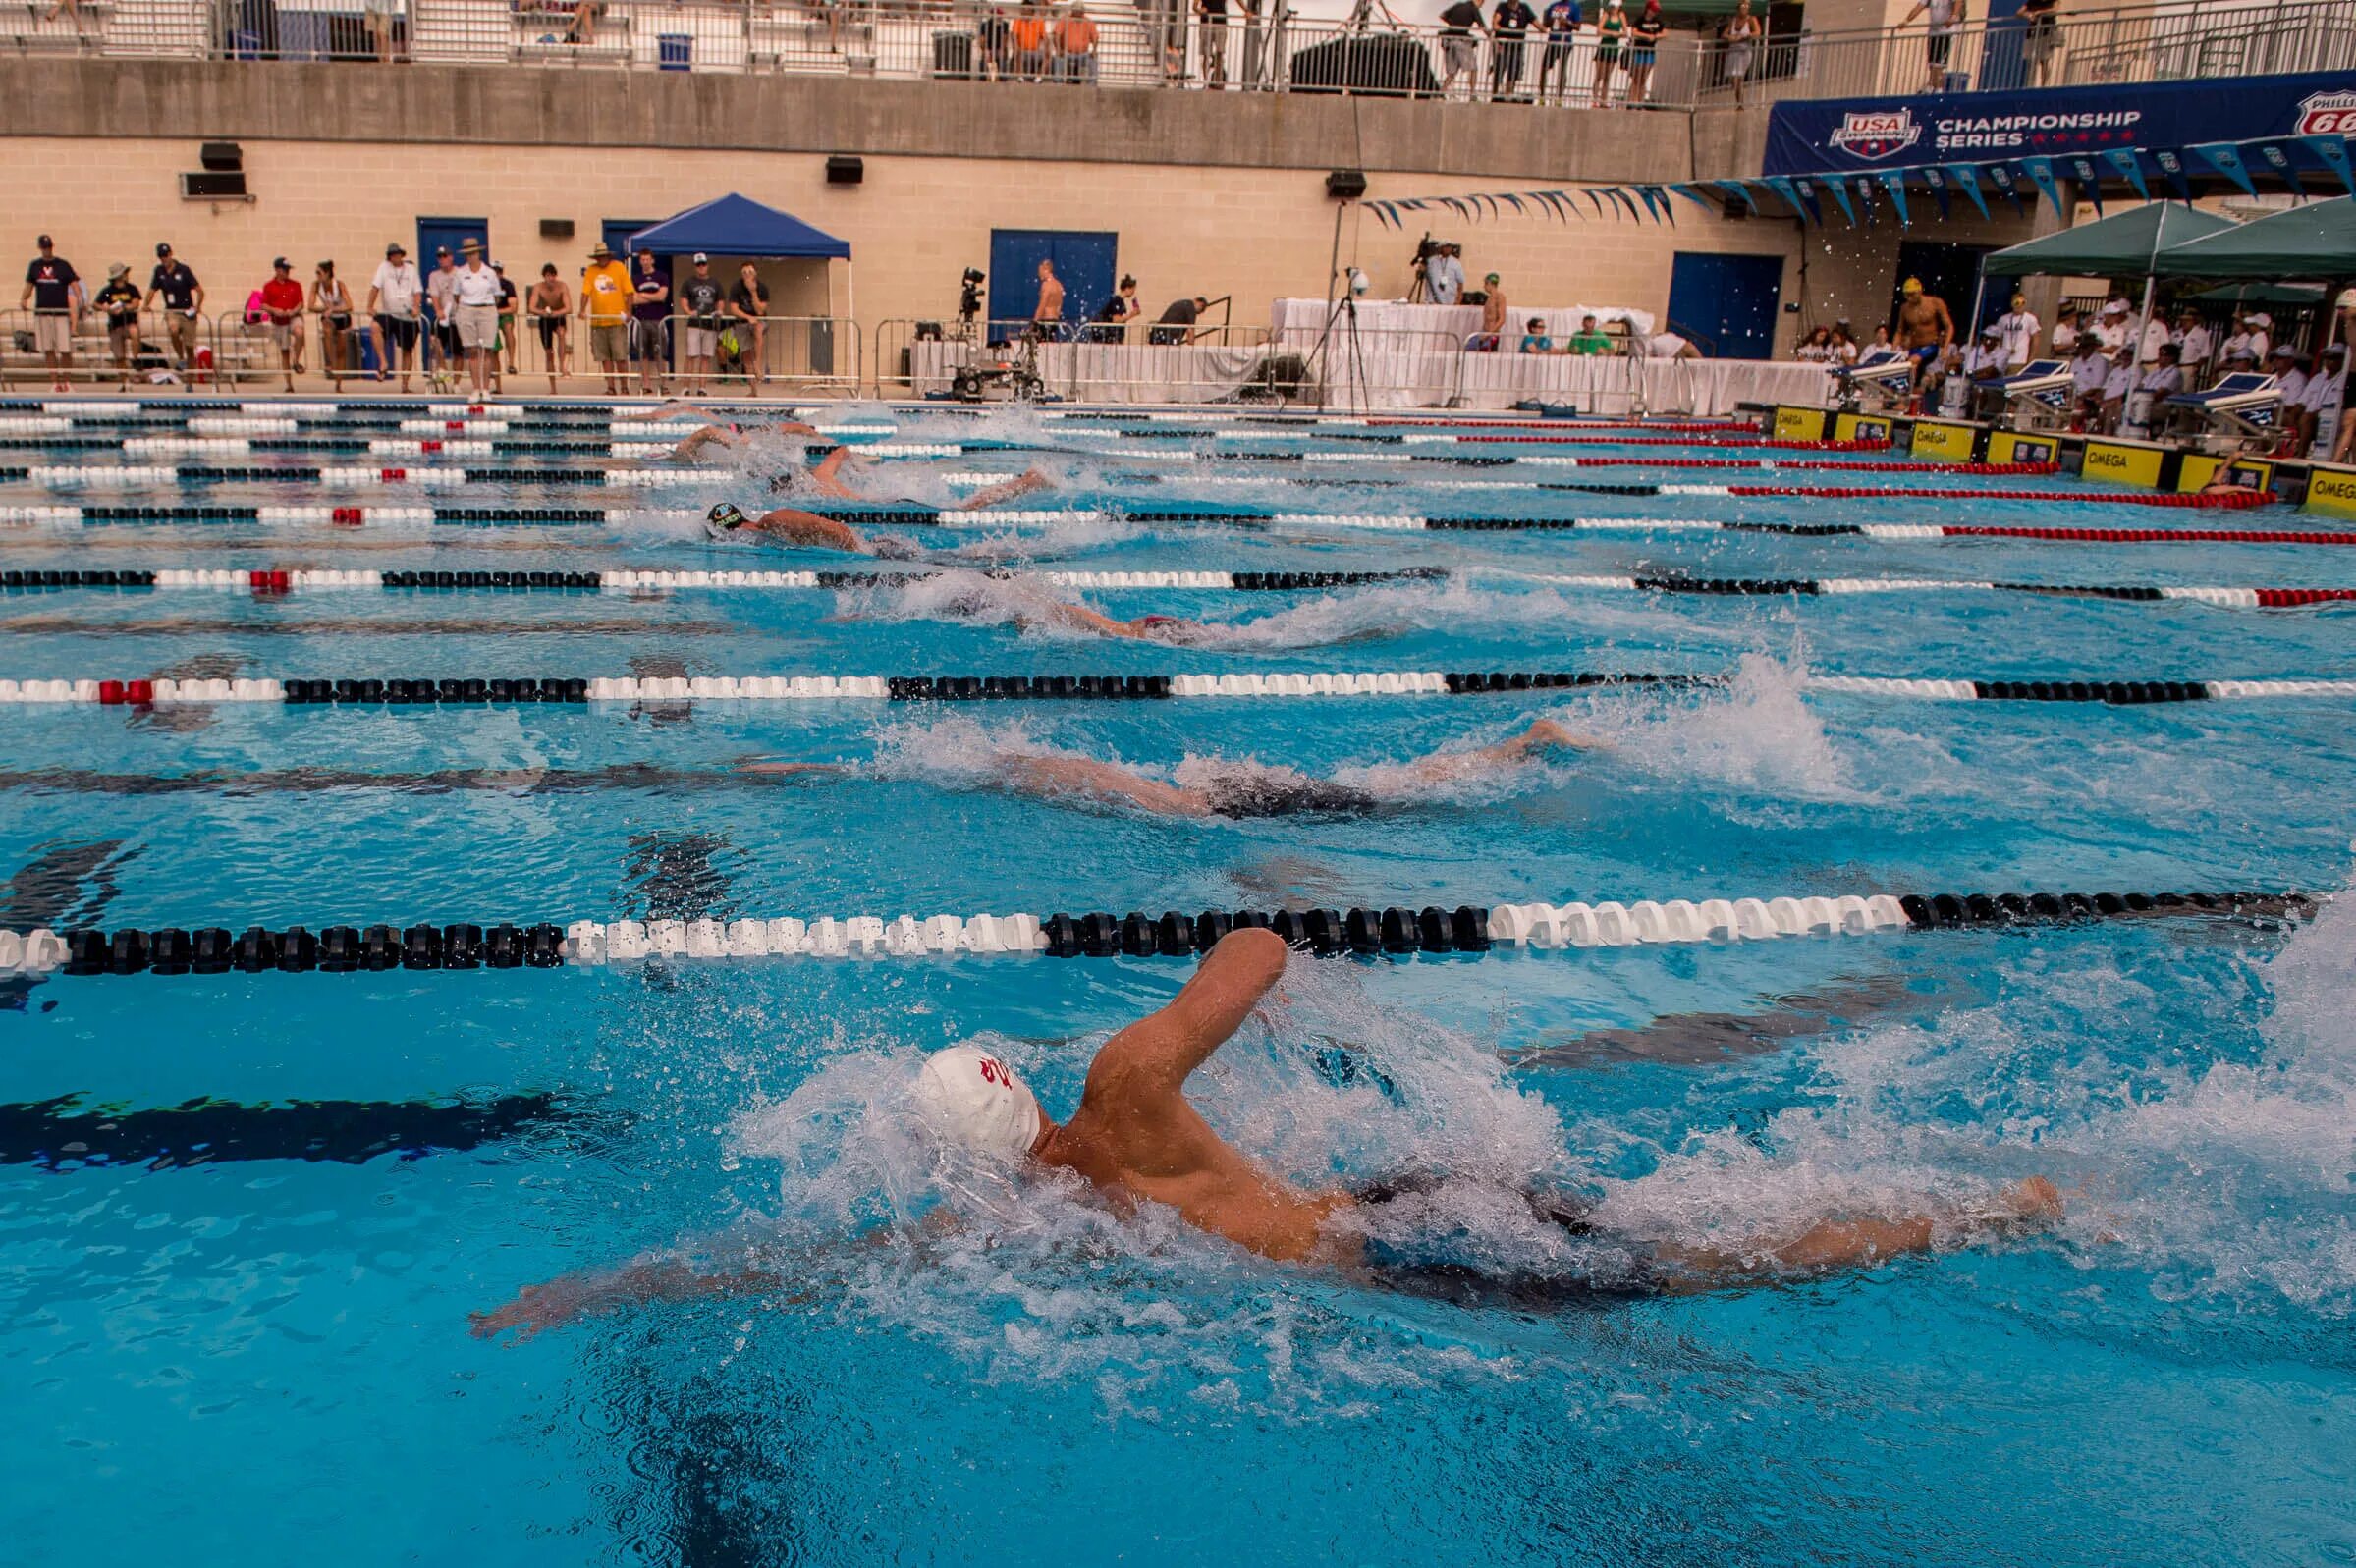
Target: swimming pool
[243,1216]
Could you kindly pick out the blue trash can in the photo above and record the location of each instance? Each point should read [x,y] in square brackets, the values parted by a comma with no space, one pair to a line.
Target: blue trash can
[676,51]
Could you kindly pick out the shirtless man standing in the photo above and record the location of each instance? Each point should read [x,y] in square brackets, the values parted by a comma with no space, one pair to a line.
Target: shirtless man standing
[1493,316]
[1136,1140]
[1925,328]
[1048,319]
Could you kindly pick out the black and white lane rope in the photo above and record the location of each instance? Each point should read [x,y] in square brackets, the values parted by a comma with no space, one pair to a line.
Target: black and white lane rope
[284,580]
[1364,932]
[473,691]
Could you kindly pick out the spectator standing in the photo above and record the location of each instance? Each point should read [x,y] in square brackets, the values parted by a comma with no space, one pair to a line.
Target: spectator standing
[2326,390]
[1925,328]
[383,21]
[551,306]
[120,300]
[699,298]
[1589,339]
[282,312]
[507,324]
[477,298]
[1030,40]
[394,296]
[2155,337]
[1076,47]
[1742,47]
[2249,340]
[1562,20]
[441,301]
[995,38]
[1048,318]
[605,304]
[1211,42]
[650,324]
[1457,51]
[331,302]
[2286,364]
[2017,329]
[1443,274]
[1938,44]
[2110,327]
[1644,47]
[2193,347]
[1610,37]
[2042,38]
[174,289]
[1508,25]
[2118,380]
[749,304]
[1254,73]
[1112,317]
[1534,338]
[53,291]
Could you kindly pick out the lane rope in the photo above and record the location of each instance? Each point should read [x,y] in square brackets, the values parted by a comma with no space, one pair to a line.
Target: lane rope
[1364,932]
[469,691]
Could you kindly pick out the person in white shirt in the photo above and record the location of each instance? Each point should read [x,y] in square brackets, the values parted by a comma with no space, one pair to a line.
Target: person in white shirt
[2325,391]
[1668,346]
[393,295]
[2087,372]
[2110,327]
[2016,331]
[2065,332]
[1443,274]
[2193,347]
[2155,336]
[2118,381]
[2166,378]
[1986,358]
[2251,338]
[475,293]
[2285,364]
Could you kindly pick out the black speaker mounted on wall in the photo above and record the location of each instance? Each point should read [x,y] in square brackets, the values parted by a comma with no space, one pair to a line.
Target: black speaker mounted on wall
[1346,184]
[845,169]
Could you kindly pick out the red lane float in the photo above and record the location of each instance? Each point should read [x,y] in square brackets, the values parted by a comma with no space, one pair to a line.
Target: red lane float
[2238,501]
[2026,470]
[2292,598]
[2152,536]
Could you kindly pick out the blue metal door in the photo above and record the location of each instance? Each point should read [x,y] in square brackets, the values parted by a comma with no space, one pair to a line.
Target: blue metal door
[1728,300]
[433,234]
[616,233]
[1084,259]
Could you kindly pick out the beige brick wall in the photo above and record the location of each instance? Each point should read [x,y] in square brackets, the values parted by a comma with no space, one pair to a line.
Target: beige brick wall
[912,224]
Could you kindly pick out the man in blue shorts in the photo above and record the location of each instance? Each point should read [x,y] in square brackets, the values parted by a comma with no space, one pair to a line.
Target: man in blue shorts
[1925,328]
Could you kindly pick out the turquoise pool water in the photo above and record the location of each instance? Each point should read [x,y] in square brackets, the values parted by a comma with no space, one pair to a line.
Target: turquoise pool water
[244,1218]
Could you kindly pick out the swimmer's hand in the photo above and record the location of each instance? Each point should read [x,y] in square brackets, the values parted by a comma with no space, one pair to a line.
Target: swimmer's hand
[1544,734]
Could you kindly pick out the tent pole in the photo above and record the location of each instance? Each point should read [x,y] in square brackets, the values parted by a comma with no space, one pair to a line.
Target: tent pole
[1979,297]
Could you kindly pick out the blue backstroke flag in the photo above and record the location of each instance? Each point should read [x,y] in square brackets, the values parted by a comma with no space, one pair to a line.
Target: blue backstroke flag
[1824,135]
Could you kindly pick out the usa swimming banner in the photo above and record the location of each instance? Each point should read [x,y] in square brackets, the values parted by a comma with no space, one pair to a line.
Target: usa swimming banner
[1870,135]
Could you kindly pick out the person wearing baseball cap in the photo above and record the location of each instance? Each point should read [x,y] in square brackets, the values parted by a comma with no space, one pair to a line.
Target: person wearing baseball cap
[605,300]
[53,293]
[395,294]
[700,300]
[2325,391]
[282,312]
[174,289]
[2287,366]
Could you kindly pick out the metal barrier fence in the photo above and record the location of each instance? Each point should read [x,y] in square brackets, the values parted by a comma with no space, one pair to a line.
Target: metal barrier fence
[2173,42]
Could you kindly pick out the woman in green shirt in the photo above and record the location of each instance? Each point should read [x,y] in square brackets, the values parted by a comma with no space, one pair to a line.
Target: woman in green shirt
[1610,29]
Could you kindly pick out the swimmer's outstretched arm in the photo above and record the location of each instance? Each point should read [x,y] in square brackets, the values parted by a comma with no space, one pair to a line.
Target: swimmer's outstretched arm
[1053,776]
[828,475]
[695,441]
[1543,735]
[1152,1057]
[675,409]
[796,527]
[1854,1243]
[1022,484]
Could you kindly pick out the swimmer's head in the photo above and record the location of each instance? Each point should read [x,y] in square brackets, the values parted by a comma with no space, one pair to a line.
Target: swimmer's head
[884,546]
[724,518]
[973,1100]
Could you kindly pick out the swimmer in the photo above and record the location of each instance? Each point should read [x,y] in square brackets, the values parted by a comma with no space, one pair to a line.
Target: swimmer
[717,430]
[826,476]
[1136,1141]
[1240,792]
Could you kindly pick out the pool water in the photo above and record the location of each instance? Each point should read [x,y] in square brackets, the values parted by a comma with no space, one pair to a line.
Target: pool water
[244,1218]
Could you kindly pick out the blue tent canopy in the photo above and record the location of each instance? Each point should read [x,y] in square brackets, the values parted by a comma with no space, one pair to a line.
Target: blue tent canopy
[737,226]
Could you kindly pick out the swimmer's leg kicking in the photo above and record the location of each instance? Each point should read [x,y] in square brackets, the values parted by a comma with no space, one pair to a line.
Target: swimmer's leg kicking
[1135,1139]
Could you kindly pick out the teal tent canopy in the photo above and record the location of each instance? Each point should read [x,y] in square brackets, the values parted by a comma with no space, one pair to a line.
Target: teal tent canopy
[2316,240]
[2124,243]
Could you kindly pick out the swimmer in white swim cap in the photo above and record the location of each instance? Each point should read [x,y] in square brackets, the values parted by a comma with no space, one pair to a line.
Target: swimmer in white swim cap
[1139,1141]
[973,1100]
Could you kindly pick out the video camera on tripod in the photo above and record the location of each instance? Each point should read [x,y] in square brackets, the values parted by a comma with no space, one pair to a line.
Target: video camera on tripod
[970,296]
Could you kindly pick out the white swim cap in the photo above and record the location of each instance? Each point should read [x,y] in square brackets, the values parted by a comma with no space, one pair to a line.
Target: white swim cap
[971,1099]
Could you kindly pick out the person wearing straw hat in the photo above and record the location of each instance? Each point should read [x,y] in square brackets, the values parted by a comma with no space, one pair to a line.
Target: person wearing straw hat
[121,300]
[605,300]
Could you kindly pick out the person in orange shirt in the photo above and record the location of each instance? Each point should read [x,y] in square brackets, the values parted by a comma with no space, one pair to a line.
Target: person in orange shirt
[1030,41]
[1076,47]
